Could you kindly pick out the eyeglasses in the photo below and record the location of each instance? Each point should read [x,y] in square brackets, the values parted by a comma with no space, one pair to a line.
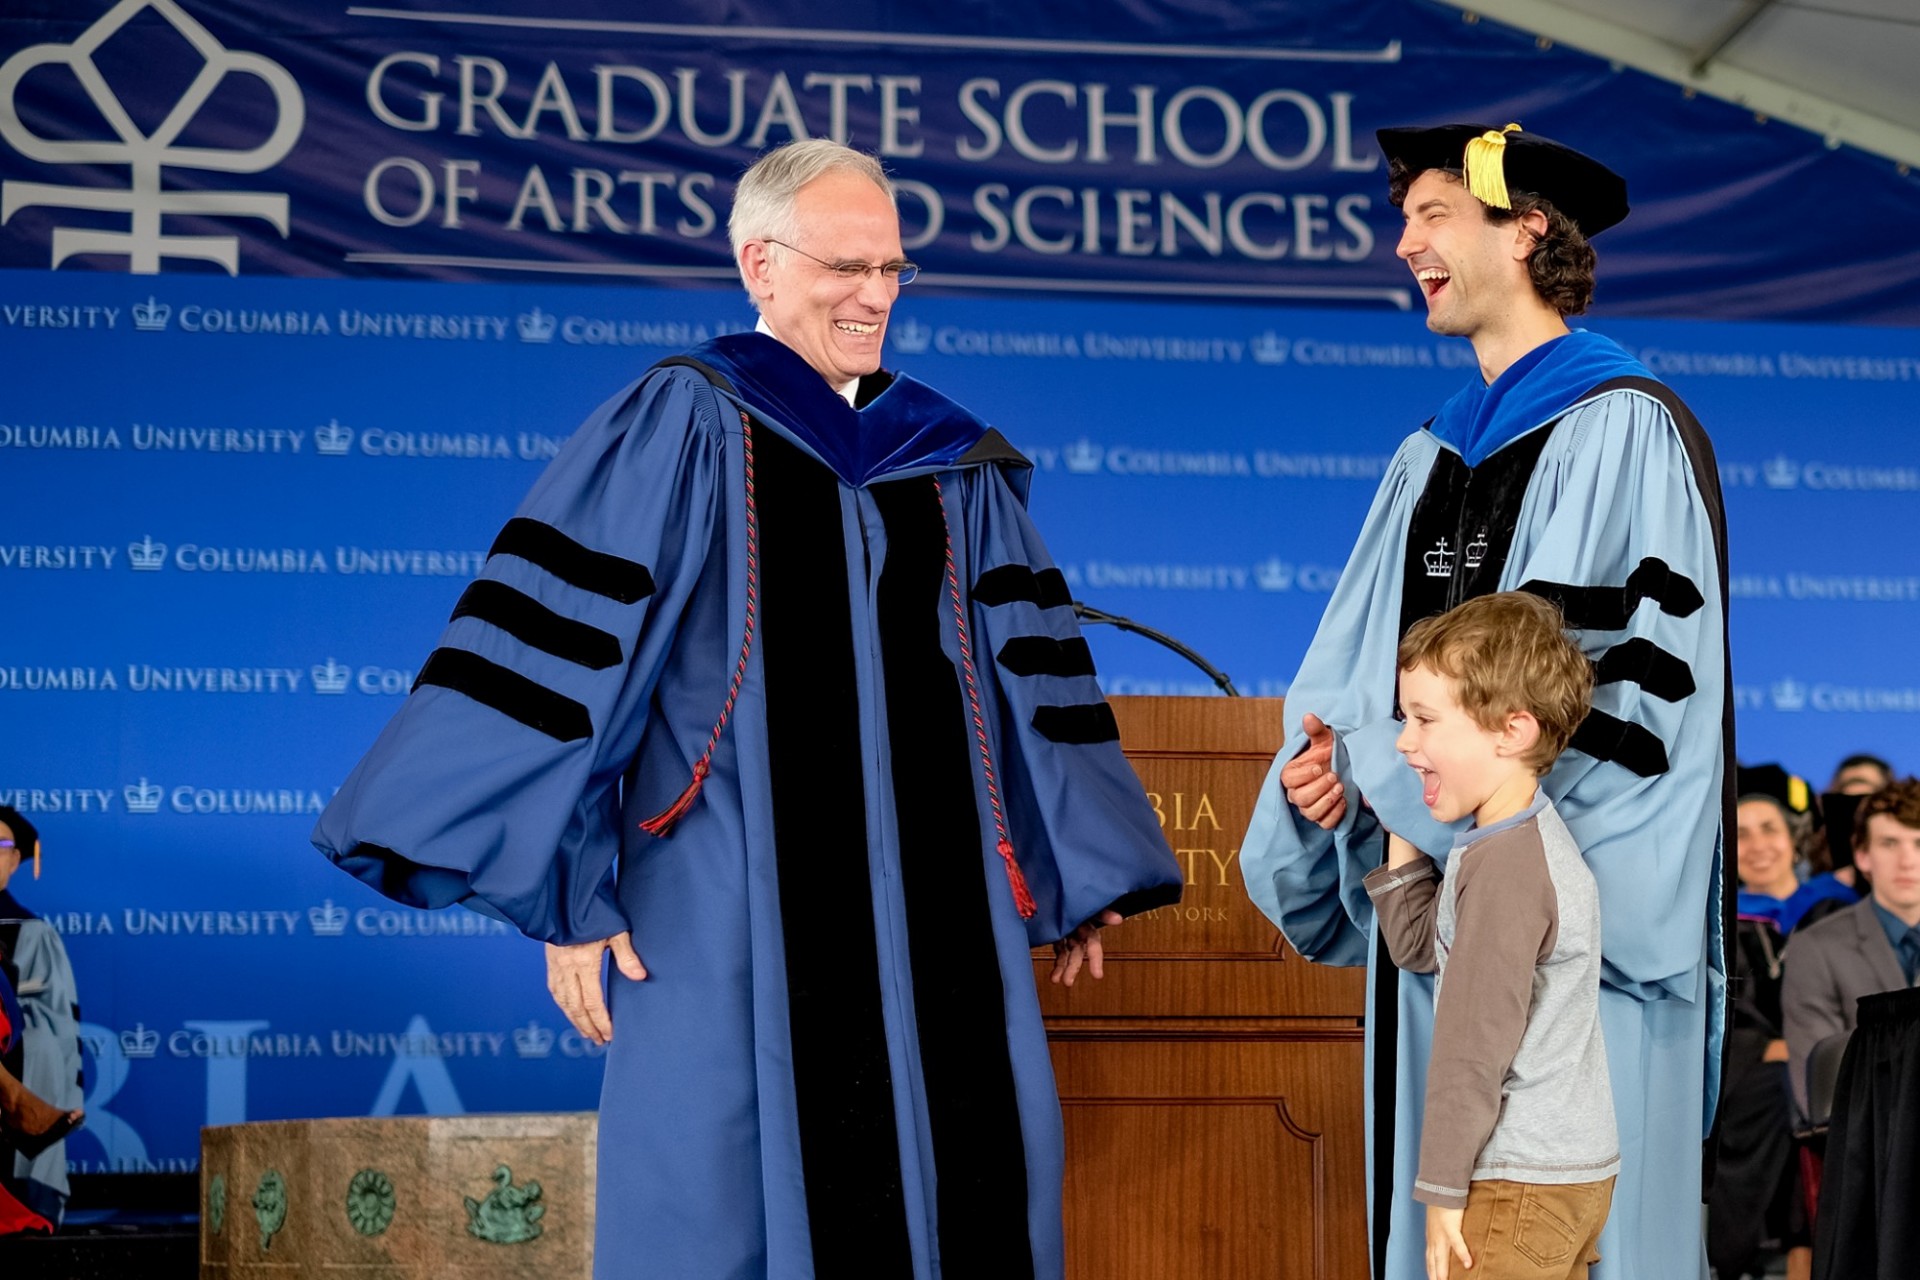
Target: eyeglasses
[902,272]
[8,844]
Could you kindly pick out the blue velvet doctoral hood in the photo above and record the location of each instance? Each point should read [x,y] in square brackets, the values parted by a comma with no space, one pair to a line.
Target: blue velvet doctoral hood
[1481,420]
[908,427]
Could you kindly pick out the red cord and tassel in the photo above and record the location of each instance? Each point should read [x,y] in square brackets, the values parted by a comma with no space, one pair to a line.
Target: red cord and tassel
[1022,896]
[662,823]
[1016,879]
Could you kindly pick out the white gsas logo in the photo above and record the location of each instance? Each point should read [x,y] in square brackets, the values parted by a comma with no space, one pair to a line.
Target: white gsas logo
[148,155]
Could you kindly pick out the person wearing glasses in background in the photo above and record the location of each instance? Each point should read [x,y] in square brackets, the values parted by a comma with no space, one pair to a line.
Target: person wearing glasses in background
[772,685]
[44,1053]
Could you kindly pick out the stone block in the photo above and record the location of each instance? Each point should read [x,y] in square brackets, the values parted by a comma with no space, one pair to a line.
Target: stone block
[476,1197]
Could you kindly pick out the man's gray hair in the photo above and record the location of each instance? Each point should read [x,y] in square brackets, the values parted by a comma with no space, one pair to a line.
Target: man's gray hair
[763,200]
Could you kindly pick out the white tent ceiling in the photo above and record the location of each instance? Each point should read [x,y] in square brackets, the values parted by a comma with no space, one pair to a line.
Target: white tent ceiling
[1849,70]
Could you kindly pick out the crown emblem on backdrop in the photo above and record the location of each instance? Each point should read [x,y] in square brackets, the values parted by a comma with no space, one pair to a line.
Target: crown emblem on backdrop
[330,676]
[141,1041]
[1439,561]
[1269,348]
[328,920]
[1273,574]
[147,199]
[152,315]
[1477,550]
[910,336]
[143,796]
[536,326]
[1083,455]
[532,1041]
[146,554]
[333,439]
[1781,472]
[1789,695]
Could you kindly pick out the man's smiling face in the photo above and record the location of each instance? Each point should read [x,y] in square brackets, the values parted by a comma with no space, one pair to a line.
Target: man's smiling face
[1464,263]
[835,324]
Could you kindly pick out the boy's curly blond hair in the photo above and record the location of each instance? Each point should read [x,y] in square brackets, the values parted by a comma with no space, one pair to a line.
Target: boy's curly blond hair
[1508,652]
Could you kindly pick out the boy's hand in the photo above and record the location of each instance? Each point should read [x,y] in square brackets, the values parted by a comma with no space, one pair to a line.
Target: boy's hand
[1444,1238]
[1399,851]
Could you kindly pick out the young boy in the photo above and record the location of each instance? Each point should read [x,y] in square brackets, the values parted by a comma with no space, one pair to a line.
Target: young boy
[1519,1150]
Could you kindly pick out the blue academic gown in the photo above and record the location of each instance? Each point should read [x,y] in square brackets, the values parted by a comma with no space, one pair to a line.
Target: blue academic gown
[1618,482]
[836,1065]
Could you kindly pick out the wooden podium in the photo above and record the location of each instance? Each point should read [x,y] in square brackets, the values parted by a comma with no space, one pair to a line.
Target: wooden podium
[1212,1083]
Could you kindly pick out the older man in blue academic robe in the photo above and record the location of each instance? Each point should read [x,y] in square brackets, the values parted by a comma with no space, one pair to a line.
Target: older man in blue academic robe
[771,682]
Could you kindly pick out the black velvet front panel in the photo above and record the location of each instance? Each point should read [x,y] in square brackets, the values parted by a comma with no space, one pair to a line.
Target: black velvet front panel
[1462,527]
[979,1155]
[849,1144]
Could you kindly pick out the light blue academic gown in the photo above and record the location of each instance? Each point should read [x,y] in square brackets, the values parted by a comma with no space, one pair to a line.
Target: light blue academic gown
[1614,486]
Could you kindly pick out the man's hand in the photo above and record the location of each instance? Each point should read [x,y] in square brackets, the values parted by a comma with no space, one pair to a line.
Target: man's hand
[1312,786]
[573,979]
[1082,946]
[1444,1239]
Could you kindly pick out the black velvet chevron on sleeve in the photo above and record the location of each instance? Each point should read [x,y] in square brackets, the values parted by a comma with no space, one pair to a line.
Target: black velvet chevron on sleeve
[1079,725]
[1632,746]
[1014,582]
[1610,608]
[508,692]
[532,623]
[1045,656]
[1640,661]
[599,572]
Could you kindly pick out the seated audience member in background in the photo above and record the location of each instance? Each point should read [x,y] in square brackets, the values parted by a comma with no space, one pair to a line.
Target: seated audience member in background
[1835,883]
[1752,1210]
[35,963]
[1870,947]
[1784,809]
[1861,775]
[1838,884]
[28,1124]
[1767,853]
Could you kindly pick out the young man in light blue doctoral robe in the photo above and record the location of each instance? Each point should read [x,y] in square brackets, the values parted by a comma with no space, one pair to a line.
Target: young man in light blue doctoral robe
[771,682]
[1567,470]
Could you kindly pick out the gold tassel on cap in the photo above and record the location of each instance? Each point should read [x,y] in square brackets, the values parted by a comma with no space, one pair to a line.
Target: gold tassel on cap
[36,859]
[1485,166]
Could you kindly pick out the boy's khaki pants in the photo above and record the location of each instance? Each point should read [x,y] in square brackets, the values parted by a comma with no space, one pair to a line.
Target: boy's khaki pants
[1533,1231]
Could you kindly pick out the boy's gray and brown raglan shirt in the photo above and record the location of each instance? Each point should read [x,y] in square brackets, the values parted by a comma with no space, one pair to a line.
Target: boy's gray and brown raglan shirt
[1517,1082]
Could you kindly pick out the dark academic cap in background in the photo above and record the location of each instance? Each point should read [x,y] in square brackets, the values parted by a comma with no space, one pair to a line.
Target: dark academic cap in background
[1775,783]
[1495,162]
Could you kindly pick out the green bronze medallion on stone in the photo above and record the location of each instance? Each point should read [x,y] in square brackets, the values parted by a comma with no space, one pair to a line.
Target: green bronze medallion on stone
[217,1202]
[509,1214]
[370,1202]
[270,1206]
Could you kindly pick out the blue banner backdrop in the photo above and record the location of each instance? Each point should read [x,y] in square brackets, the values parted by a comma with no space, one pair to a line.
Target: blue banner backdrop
[1187,149]
[238,510]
